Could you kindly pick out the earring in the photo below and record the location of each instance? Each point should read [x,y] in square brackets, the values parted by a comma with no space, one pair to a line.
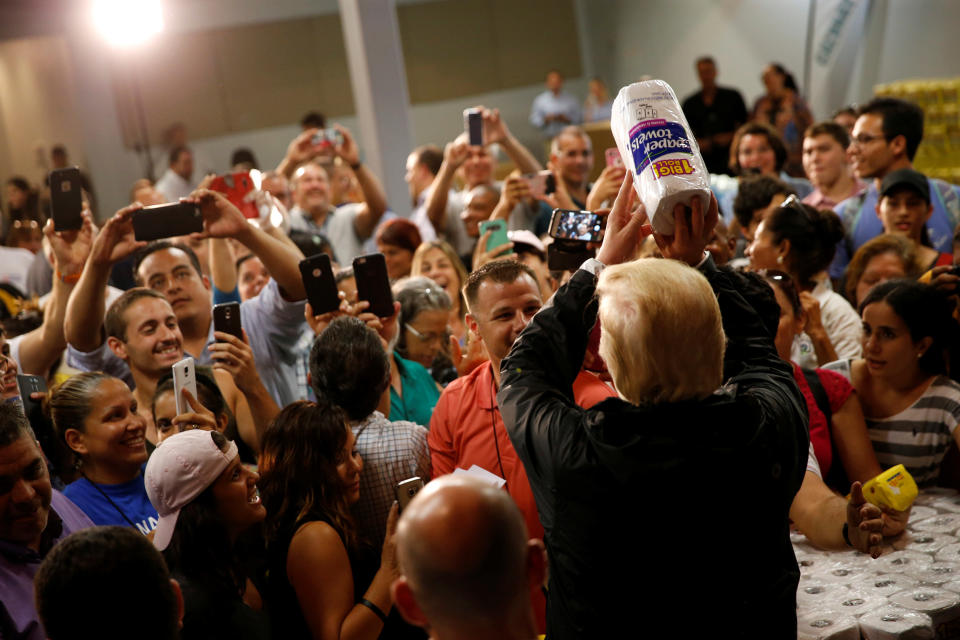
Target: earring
[919,355]
[779,259]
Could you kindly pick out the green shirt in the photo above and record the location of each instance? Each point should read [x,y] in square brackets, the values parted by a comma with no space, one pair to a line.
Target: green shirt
[420,393]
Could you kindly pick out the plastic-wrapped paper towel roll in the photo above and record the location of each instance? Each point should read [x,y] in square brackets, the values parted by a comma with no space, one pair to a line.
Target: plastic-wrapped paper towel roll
[814,593]
[942,606]
[884,585]
[920,512]
[944,504]
[895,623]
[827,625]
[948,553]
[842,572]
[901,561]
[927,542]
[856,604]
[935,574]
[941,523]
[657,144]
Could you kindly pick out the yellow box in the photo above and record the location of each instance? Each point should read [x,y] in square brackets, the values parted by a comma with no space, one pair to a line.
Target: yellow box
[894,488]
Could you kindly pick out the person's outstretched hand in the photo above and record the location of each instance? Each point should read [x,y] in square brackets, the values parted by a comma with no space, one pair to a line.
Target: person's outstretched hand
[692,230]
[864,522]
[625,228]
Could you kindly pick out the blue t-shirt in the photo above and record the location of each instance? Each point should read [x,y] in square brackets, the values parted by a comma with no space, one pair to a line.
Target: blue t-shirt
[420,393]
[129,497]
[861,222]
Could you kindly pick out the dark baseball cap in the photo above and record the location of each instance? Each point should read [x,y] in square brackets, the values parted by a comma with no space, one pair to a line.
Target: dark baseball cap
[906,178]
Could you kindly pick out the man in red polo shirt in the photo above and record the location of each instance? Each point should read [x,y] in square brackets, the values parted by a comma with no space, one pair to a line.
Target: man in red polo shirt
[466,428]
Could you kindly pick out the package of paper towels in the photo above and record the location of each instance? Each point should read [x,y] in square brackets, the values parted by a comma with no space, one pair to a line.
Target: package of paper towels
[894,623]
[656,143]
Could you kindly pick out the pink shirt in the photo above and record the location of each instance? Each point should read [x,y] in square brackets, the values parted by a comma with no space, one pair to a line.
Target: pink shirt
[819,201]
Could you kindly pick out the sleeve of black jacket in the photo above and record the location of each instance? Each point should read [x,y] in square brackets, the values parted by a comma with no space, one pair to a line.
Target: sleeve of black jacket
[536,401]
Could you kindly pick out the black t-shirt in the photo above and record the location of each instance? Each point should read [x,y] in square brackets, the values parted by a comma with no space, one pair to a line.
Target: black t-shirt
[725,114]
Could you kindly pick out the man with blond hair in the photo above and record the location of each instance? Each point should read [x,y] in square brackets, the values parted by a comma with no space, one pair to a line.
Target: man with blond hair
[638,492]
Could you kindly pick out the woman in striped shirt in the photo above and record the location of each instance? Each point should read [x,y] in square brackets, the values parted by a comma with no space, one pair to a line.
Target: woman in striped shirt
[912,408]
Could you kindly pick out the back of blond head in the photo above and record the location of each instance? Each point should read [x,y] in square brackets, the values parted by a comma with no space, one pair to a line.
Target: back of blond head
[662,334]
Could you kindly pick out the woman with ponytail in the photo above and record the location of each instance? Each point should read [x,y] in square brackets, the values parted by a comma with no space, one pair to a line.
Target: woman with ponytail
[798,239]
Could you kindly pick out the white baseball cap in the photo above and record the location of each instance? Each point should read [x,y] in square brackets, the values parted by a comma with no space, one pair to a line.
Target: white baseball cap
[179,470]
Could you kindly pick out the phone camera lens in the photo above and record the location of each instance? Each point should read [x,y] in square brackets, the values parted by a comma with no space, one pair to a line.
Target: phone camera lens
[316,273]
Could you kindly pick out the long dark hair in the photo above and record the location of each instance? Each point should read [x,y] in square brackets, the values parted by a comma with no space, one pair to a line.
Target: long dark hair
[927,312]
[200,548]
[299,482]
[813,237]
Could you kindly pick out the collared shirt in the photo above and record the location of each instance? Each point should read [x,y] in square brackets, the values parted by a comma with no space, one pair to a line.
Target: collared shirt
[547,104]
[273,326]
[172,185]
[391,452]
[338,227]
[819,201]
[19,565]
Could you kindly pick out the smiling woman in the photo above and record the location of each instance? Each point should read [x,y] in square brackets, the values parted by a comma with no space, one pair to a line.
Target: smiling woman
[912,408]
[96,416]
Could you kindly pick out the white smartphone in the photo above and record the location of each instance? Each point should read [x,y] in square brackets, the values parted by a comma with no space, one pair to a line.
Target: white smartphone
[184,377]
[406,490]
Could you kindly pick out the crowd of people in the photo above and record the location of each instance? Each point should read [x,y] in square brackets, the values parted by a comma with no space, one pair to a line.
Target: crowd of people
[785,345]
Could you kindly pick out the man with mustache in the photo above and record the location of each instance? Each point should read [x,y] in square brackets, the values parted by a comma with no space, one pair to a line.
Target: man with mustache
[33,518]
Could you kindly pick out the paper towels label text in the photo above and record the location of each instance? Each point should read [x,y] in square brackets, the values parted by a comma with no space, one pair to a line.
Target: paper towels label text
[655,138]
[672,168]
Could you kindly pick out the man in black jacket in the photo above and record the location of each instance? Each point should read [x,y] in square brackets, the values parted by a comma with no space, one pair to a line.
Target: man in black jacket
[666,510]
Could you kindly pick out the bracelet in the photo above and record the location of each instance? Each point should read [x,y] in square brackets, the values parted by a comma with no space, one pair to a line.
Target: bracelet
[356,166]
[70,278]
[846,534]
[377,610]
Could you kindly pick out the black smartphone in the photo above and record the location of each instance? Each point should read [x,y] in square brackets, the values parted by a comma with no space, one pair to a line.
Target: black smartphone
[373,284]
[66,202]
[406,489]
[167,221]
[473,125]
[27,385]
[582,226]
[226,318]
[320,283]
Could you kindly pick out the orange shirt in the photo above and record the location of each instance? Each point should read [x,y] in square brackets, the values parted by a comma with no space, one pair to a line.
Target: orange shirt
[466,429]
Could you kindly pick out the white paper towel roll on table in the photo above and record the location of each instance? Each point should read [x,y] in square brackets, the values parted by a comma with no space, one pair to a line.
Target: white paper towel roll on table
[950,505]
[941,523]
[896,623]
[942,606]
[928,542]
[935,574]
[901,561]
[657,144]
[948,553]
[856,604]
[827,625]
[813,563]
[814,593]
[920,512]
[842,572]
[885,584]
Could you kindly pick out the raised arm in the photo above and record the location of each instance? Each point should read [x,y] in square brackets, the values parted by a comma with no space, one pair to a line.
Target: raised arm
[496,132]
[83,323]
[223,220]
[454,154]
[300,150]
[40,348]
[375,200]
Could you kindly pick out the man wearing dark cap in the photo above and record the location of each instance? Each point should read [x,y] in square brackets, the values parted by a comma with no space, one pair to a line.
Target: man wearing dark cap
[905,208]
[885,138]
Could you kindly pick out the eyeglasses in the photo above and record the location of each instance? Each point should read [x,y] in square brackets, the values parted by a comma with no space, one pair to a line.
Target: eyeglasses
[793,203]
[428,337]
[864,139]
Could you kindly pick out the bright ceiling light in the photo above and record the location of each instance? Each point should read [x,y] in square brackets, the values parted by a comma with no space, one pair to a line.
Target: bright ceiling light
[126,23]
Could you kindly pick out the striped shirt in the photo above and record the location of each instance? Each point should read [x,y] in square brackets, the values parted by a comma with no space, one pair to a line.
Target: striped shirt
[919,436]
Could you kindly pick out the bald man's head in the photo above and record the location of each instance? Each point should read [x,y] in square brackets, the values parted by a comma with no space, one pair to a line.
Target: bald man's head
[464,554]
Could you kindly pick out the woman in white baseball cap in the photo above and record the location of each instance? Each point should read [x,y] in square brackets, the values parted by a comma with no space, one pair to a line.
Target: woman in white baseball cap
[206,500]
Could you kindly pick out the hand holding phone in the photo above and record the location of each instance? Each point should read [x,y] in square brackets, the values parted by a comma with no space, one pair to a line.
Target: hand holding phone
[613,158]
[320,283]
[236,187]
[373,284]
[473,126]
[406,490]
[167,221]
[226,318]
[498,235]
[184,377]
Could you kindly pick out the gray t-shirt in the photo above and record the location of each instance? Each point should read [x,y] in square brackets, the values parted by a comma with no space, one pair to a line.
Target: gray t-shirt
[339,227]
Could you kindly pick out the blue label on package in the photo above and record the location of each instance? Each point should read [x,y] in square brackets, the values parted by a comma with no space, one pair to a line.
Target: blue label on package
[654,139]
